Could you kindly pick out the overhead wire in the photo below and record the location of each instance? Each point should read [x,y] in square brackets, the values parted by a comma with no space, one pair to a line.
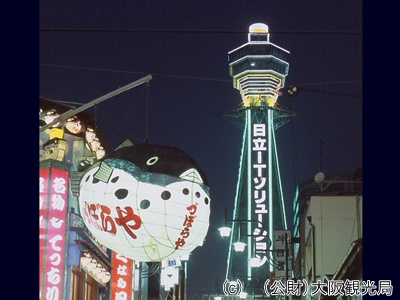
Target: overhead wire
[197,31]
[187,77]
[133,72]
[126,115]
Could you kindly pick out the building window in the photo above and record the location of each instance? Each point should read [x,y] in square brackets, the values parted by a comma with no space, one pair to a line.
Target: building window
[77,282]
[91,288]
[82,289]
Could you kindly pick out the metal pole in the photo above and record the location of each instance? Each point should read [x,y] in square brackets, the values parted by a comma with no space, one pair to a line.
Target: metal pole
[286,263]
[72,112]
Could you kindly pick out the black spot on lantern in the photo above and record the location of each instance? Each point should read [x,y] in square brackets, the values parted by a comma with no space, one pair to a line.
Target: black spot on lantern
[165,195]
[144,204]
[121,193]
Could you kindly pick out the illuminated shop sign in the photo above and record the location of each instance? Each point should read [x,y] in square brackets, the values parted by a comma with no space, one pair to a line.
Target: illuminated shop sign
[259,149]
[169,276]
[122,277]
[282,239]
[53,196]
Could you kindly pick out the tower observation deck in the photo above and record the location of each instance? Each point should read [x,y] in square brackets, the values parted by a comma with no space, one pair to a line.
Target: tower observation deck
[258,69]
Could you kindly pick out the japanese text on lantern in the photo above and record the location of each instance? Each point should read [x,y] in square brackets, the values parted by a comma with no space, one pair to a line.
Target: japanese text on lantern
[99,217]
[259,192]
[187,223]
[56,226]
[121,288]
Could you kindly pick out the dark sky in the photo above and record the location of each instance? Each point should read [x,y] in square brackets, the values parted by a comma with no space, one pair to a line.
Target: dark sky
[184,46]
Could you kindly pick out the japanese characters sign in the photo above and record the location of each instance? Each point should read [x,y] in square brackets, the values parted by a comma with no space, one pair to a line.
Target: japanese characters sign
[122,277]
[189,219]
[53,197]
[43,195]
[259,149]
[282,242]
[99,216]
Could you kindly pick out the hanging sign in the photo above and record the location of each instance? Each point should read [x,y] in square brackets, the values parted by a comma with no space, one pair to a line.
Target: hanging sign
[147,202]
[122,277]
[53,197]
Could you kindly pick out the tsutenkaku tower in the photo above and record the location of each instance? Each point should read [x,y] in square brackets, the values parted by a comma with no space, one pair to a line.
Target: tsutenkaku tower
[258,69]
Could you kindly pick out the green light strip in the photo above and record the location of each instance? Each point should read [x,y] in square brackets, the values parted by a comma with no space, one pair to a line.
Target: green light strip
[270,200]
[282,202]
[249,191]
[236,204]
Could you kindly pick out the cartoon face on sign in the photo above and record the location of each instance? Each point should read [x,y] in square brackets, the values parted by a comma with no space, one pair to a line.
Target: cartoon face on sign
[147,202]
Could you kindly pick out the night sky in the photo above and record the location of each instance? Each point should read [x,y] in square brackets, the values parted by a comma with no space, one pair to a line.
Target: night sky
[90,48]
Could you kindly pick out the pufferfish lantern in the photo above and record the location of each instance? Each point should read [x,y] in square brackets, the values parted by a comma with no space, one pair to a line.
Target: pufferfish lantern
[147,202]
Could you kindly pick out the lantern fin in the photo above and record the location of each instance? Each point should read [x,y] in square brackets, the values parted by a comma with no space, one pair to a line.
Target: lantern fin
[74,179]
[104,172]
[126,143]
[191,175]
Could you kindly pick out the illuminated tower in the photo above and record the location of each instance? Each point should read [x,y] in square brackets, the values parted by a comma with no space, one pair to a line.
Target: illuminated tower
[258,69]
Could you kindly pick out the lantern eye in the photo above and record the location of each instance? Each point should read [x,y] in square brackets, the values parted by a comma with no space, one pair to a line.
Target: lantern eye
[165,195]
[185,191]
[115,179]
[206,200]
[152,161]
[197,194]
[121,193]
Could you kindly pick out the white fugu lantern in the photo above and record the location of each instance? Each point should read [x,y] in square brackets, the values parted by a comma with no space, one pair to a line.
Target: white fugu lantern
[147,202]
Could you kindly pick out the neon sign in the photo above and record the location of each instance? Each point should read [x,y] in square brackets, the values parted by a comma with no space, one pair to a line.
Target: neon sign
[53,196]
[259,192]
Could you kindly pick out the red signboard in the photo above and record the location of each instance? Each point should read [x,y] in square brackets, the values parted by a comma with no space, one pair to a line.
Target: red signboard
[43,195]
[52,219]
[122,276]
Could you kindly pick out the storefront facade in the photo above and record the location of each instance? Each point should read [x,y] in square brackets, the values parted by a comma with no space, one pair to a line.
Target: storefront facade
[72,264]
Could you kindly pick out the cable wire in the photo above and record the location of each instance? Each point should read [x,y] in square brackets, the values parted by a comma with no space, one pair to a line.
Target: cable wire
[197,31]
[132,72]
[188,77]
[122,121]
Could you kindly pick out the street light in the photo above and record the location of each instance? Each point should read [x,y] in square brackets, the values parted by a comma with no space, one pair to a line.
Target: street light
[239,246]
[224,231]
[255,262]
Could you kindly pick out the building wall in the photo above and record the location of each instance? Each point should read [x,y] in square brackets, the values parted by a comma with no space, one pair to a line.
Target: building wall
[337,221]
